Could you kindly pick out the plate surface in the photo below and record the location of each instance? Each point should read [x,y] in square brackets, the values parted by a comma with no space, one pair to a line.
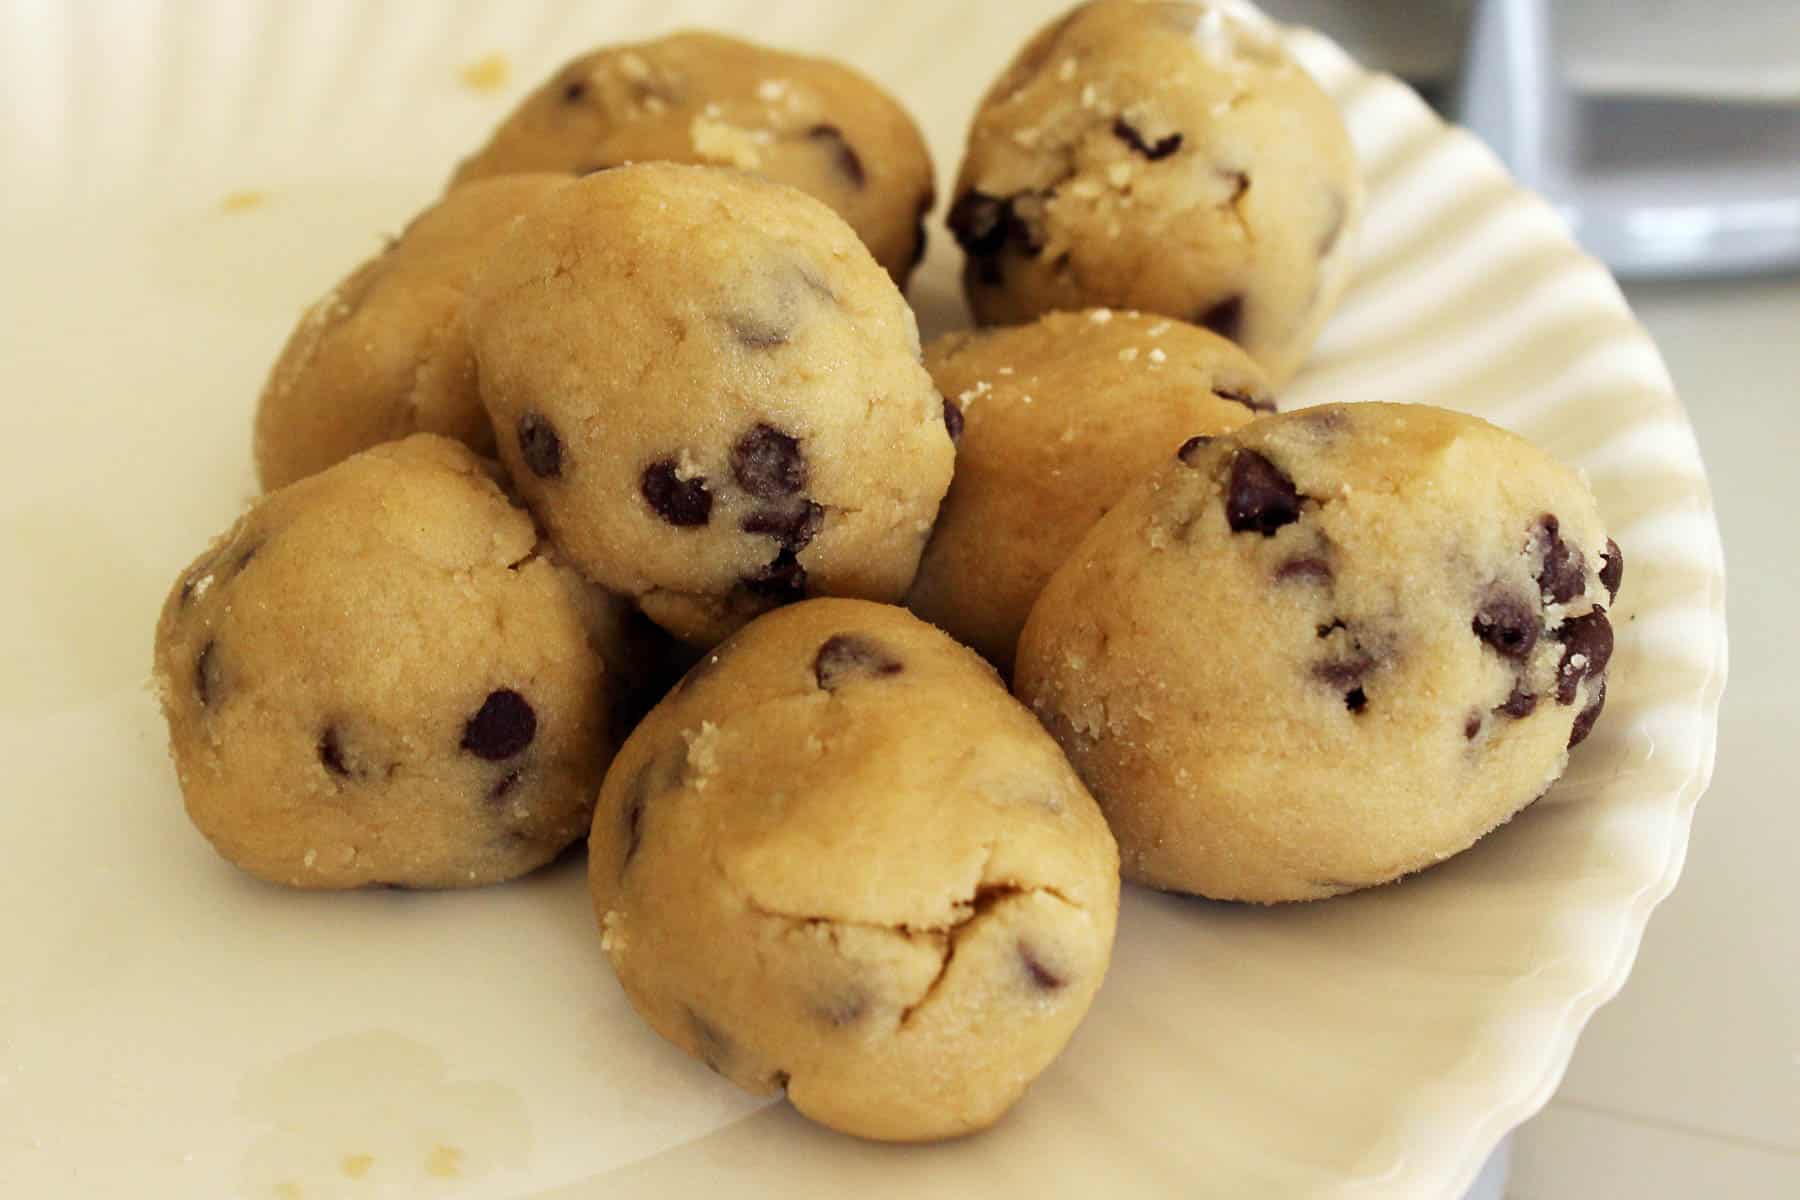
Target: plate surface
[171,1028]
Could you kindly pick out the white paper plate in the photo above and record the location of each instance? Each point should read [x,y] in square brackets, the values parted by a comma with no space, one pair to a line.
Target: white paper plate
[170,1028]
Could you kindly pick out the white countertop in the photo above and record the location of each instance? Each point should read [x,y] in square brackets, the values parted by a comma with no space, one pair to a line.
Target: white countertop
[1688,1084]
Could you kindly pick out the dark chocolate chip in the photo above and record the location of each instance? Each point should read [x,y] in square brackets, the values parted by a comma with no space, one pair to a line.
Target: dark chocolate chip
[1251,401]
[539,446]
[759,332]
[1589,638]
[1041,976]
[1507,622]
[1305,570]
[677,501]
[1327,630]
[1563,574]
[1259,496]
[331,751]
[953,420]
[505,784]
[794,526]
[1193,448]
[847,656]
[783,580]
[979,223]
[1356,700]
[574,91]
[1472,726]
[206,682]
[1584,721]
[1345,671]
[1226,318]
[1161,148]
[767,463]
[1520,703]
[844,156]
[504,726]
[1612,569]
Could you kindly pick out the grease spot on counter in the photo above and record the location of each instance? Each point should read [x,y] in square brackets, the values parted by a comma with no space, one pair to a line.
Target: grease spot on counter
[375,1114]
[246,200]
[486,74]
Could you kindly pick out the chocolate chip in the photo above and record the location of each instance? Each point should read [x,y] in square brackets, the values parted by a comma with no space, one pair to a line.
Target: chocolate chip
[1506,622]
[574,91]
[1259,496]
[979,223]
[1563,574]
[1519,703]
[539,446]
[504,726]
[1344,672]
[1161,148]
[767,463]
[206,681]
[848,656]
[677,501]
[1584,721]
[783,580]
[1255,403]
[1304,570]
[1325,631]
[331,751]
[1226,318]
[1612,569]
[503,785]
[844,156]
[759,332]
[1192,449]
[1041,976]
[1356,700]
[953,420]
[1472,726]
[1586,638]
[794,526]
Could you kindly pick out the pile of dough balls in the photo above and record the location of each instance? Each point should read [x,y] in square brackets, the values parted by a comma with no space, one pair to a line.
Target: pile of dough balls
[618,498]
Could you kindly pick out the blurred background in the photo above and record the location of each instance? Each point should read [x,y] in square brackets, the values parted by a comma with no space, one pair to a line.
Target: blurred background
[1668,135]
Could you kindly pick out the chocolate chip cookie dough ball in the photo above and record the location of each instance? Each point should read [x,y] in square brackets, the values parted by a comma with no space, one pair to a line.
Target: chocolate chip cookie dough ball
[379,676]
[704,99]
[1163,156]
[711,395]
[838,859]
[1059,418]
[1328,650]
[386,353]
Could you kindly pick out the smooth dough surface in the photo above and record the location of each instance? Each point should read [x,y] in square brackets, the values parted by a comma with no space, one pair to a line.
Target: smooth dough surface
[1169,157]
[1059,418]
[839,859]
[710,395]
[379,675]
[710,100]
[1330,649]
[386,352]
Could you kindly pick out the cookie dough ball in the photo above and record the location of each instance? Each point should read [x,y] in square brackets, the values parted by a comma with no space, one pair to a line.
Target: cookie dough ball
[711,395]
[704,99]
[1167,157]
[379,676]
[1328,650]
[838,859]
[386,353]
[1059,418]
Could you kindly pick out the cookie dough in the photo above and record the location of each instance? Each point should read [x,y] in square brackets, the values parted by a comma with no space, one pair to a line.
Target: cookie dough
[705,99]
[711,395]
[1330,649]
[1059,418]
[379,675]
[1162,156]
[386,353]
[838,859]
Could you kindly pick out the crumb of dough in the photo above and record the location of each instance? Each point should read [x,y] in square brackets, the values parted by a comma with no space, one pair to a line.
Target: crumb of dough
[243,201]
[488,74]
